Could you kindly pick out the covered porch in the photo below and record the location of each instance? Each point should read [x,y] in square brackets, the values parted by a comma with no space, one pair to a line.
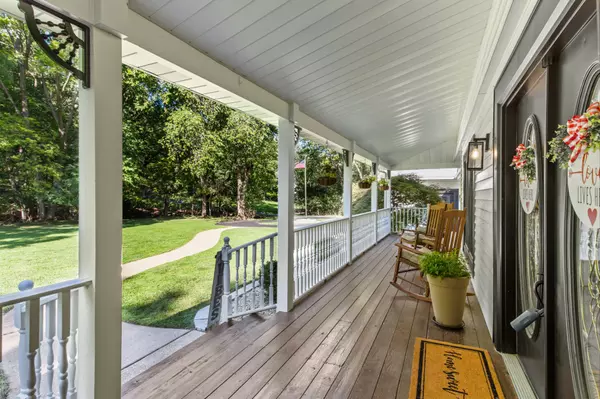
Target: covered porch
[366,89]
[353,337]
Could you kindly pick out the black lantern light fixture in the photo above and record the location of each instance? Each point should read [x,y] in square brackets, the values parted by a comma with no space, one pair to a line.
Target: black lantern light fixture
[476,151]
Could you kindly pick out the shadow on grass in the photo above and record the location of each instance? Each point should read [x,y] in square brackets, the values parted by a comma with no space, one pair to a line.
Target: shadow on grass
[15,236]
[154,313]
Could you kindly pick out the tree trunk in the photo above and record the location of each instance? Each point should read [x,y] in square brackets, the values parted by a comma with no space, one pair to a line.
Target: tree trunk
[166,206]
[51,211]
[24,214]
[242,186]
[41,209]
[204,205]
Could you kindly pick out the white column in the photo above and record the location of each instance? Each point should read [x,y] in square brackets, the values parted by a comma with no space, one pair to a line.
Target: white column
[374,190]
[285,219]
[348,199]
[100,219]
[388,192]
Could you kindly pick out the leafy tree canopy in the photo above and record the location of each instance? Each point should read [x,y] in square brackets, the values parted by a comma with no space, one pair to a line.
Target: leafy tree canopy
[410,190]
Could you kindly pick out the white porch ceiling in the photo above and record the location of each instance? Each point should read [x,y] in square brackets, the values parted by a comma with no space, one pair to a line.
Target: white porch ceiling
[393,75]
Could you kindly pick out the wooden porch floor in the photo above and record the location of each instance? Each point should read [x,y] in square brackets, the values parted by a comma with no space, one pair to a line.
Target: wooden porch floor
[353,337]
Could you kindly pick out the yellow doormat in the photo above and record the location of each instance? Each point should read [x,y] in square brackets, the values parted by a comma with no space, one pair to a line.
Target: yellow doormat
[444,370]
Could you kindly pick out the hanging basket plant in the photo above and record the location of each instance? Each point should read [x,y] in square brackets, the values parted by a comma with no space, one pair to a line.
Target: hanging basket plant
[327,180]
[366,182]
[384,184]
[575,147]
[524,162]
[580,135]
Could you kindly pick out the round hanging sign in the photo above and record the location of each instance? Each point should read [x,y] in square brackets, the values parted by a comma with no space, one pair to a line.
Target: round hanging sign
[584,188]
[528,193]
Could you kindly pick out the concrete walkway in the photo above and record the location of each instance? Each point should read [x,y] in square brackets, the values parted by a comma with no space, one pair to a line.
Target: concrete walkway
[201,242]
[142,347]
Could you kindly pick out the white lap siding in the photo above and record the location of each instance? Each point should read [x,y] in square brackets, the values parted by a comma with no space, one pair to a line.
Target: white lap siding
[484,244]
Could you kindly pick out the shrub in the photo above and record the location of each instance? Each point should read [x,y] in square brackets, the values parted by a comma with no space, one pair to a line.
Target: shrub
[444,265]
[4,387]
[268,279]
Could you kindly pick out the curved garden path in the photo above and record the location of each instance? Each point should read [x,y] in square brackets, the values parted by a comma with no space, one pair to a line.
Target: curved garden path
[201,242]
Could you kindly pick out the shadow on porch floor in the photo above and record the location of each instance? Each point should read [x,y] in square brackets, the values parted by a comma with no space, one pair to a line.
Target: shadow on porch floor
[353,337]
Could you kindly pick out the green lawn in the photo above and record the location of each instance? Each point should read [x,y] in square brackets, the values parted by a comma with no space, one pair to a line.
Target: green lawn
[171,294]
[267,208]
[47,253]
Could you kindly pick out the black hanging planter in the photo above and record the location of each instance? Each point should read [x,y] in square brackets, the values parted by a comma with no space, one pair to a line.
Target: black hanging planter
[384,188]
[364,185]
[326,181]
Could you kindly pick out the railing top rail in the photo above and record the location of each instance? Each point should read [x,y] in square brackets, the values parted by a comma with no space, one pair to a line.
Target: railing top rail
[265,238]
[384,209]
[36,293]
[363,214]
[320,224]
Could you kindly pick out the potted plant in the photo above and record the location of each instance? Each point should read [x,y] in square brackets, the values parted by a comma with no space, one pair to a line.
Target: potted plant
[448,279]
[366,182]
[328,178]
[384,184]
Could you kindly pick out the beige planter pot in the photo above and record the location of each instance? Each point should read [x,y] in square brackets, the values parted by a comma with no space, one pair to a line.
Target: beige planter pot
[448,296]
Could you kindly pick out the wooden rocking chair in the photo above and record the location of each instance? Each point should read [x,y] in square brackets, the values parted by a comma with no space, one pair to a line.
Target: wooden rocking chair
[448,238]
[426,236]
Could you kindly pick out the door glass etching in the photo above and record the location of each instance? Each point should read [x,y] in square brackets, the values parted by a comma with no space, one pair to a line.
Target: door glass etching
[588,294]
[530,252]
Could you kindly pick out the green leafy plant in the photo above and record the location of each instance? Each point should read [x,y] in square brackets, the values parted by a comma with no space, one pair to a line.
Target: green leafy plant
[368,180]
[384,184]
[580,135]
[444,265]
[559,153]
[524,162]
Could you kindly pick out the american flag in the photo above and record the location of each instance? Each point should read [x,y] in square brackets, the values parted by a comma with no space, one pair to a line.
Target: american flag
[301,164]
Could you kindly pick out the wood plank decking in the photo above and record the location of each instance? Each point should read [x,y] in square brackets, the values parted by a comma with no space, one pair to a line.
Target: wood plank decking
[351,338]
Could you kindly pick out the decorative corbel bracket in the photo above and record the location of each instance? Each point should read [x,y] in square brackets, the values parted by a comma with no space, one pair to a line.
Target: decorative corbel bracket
[59,40]
[346,156]
[297,131]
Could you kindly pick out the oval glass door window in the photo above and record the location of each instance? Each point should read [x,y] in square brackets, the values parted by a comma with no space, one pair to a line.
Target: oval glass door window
[530,232]
[588,292]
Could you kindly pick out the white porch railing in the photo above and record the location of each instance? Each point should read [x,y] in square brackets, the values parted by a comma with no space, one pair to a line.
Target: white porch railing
[46,319]
[320,250]
[411,218]
[364,232]
[384,226]
[255,277]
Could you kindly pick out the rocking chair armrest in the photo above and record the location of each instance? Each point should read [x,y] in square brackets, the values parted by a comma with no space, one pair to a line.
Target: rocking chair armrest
[409,249]
[411,230]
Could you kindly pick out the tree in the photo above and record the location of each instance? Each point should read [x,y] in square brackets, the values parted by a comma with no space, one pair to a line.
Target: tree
[44,97]
[28,164]
[247,149]
[410,190]
[321,160]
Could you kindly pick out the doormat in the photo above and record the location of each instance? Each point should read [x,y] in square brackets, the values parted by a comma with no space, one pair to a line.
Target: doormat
[446,370]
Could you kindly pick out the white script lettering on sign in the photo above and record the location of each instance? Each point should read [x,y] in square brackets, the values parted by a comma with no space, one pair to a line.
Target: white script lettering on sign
[584,187]
[528,192]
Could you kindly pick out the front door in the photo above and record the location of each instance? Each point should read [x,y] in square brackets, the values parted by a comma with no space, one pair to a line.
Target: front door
[578,74]
[531,120]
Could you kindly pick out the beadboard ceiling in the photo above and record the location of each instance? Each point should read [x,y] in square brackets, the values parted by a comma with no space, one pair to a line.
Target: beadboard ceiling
[391,74]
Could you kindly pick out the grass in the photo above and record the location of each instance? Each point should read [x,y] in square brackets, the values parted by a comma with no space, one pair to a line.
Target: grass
[171,294]
[267,208]
[4,387]
[47,253]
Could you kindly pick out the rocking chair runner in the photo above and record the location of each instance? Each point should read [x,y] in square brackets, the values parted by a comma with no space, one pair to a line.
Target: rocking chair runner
[448,238]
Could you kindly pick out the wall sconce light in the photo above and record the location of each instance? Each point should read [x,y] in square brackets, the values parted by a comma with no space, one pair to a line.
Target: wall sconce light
[476,151]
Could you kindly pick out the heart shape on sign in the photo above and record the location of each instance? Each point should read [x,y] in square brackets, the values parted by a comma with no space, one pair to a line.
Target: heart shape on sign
[592,215]
[527,205]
